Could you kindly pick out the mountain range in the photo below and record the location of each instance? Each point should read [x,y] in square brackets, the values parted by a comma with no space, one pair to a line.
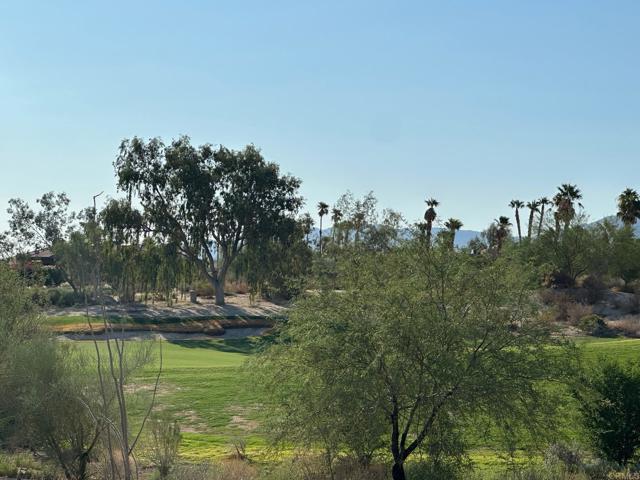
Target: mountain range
[463,237]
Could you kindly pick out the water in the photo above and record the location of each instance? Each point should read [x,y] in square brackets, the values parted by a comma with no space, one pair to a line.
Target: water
[242,332]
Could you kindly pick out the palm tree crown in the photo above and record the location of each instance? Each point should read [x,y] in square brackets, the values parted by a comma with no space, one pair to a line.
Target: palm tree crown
[502,230]
[517,205]
[429,217]
[629,206]
[564,200]
[430,214]
[323,209]
[336,215]
[453,225]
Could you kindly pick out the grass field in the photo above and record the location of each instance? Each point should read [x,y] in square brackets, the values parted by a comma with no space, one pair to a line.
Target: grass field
[205,385]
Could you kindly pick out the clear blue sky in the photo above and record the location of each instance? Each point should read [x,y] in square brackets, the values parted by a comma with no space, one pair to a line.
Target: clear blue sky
[474,103]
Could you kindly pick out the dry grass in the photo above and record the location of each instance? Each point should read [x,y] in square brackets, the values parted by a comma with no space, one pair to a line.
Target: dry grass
[629,325]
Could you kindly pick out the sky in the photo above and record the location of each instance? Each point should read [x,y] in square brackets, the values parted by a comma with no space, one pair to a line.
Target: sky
[473,103]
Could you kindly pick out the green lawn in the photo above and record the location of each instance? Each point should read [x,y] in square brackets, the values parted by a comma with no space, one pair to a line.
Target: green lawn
[205,385]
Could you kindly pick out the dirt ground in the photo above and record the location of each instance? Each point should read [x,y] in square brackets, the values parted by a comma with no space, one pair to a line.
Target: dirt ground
[236,305]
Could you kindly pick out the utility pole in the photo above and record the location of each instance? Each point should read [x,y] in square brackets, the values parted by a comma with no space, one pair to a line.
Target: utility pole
[94,205]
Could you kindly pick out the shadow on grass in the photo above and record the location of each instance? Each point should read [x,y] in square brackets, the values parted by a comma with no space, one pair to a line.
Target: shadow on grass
[245,345]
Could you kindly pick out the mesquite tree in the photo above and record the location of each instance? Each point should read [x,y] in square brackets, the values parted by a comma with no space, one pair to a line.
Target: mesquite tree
[203,196]
[419,344]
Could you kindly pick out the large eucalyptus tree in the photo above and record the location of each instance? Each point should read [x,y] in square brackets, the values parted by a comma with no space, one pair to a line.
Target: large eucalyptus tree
[200,196]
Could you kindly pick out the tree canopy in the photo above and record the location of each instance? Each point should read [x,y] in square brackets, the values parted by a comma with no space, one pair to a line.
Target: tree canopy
[207,199]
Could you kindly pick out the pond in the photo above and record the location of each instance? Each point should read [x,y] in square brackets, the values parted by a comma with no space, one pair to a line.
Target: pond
[241,332]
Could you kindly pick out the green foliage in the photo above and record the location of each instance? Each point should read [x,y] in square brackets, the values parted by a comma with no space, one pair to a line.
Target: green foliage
[19,328]
[165,439]
[31,229]
[277,267]
[57,405]
[593,325]
[201,197]
[418,342]
[611,408]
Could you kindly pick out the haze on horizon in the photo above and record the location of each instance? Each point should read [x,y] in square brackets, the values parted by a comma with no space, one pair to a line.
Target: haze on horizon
[472,104]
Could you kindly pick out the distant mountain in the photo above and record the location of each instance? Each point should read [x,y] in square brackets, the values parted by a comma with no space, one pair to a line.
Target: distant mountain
[616,221]
[463,237]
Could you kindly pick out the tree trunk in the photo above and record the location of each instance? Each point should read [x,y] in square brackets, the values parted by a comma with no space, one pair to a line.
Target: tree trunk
[518,223]
[397,471]
[218,288]
[429,227]
[320,234]
[541,220]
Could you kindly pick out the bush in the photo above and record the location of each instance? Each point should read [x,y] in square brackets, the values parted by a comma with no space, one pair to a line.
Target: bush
[633,287]
[593,324]
[595,289]
[57,297]
[569,456]
[204,289]
[575,312]
[629,325]
[165,434]
[611,409]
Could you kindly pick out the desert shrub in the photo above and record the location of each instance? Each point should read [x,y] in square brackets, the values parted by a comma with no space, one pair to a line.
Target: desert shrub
[165,436]
[549,296]
[25,465]
[57,297]
[52,277]
[233,470]
[447,470]
[569,456]
[575,312]
[240,287]
[69,298]
[633,287]
[560,279]
[350,469]
[629,325]
[204,289]
[192,471]
[593,324]
[611,410]
[565,306]
[594,288]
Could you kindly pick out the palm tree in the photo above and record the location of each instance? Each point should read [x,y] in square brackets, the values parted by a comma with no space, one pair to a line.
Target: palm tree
[564,201]
[358,222]
[543,202]
[429,217]
[503,226]
[629,207]
[453,225]
[517,205]
[323,209]
[307,224]
[533,208]
[336,216]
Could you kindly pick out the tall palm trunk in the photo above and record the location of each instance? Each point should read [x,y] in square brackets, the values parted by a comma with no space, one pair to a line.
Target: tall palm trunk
[518,224]
[320,234]
[541,220]
[428,231]
[530,227]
